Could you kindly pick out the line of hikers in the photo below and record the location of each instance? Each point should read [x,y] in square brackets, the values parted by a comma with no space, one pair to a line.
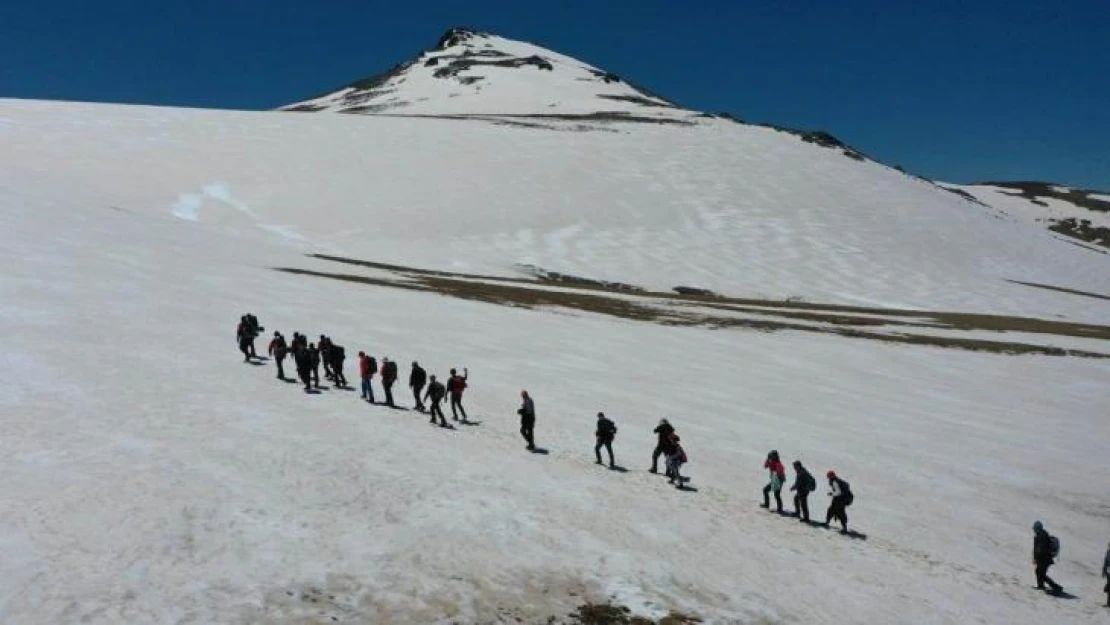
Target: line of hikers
[309,356]
[840,492]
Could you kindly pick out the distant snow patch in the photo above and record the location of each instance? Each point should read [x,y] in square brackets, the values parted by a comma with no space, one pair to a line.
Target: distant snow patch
[188,205]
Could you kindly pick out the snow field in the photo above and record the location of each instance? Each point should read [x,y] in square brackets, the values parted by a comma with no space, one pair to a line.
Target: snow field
[153,477]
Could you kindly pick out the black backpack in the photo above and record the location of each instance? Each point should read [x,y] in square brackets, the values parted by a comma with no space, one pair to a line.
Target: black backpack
[373,365]
[337,352]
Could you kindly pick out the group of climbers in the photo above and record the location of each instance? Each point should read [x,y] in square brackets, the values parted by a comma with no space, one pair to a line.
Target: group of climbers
[840,491]
[308,357]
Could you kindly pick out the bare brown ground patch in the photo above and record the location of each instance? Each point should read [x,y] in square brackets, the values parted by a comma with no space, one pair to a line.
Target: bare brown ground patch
[690,309]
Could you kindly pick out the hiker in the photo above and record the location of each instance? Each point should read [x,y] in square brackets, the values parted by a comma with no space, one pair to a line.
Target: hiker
[804,484]
[1106,574]
[299,343]
[435,393]
[325,356]
[367,366]
[314,357]
[456,384]
[1045,550]
[664,431]
[606,432]
[527,414]
[255,330]
[676,457]
[243,335]
[278,350]
[417,379]
[303,359]
[841,493]
[778,476]
[338,354]
[389,377]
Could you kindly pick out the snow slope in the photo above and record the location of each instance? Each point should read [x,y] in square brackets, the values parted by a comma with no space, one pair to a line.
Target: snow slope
[475,73]
[151,477]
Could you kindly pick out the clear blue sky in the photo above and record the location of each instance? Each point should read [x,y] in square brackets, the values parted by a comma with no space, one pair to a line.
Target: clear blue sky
[967,90]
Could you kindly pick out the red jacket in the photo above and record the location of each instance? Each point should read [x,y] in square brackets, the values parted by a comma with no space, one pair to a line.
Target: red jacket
[364,367]
[776,467]
[456,384]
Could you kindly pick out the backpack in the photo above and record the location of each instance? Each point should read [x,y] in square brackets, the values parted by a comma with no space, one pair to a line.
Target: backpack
[1054,546]
[373,365]
[846,489]
[337,352]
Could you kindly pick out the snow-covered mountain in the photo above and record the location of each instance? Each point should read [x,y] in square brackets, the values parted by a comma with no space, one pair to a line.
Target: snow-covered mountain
[1082,214]
[475,73]
[950,364]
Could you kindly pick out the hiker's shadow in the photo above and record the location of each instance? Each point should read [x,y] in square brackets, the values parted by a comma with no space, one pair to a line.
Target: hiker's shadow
[470,423]
[686,488]
[256,363]
[618,469]
[540,450]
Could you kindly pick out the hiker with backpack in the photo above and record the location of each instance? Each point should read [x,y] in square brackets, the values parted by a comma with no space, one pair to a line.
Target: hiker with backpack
[1046,548]
[417,379]
[337,354]
[389,377]
[436,392]
[606,432]
[367,367]
[314,358]
[662,447]
[255,331]
[243,336]
[527,414]
[841,493]
[778,476]
[278,350]
[303,359]
[325,356]
[804,484]
[676,457]
[456,384]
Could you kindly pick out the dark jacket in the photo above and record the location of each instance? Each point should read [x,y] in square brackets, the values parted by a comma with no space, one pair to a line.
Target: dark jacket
[606,429]
[418,378]
[527,411]
[436,391]
[840,488]
[803,481]
[314,355]
[389,372]
[1042,547]
[303,359]
[665,431]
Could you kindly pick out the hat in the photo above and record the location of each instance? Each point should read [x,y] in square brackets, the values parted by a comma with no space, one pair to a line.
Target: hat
[831,474]
[600,414]
[663,422]
[1038,526]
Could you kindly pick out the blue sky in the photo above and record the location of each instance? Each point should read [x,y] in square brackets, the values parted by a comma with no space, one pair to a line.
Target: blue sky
[970,90]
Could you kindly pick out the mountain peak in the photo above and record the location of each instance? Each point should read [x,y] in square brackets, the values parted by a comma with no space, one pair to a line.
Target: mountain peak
[474,73]
[457,35]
